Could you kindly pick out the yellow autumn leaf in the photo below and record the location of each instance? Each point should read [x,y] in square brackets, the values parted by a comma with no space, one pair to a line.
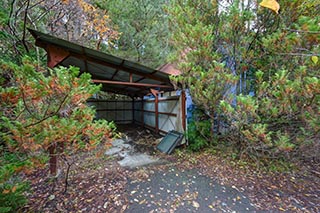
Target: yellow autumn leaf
[314,59]
[271,4]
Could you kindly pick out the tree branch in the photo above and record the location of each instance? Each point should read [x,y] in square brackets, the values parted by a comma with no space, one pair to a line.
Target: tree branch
[298,54]
[25,27]
[302,31]
[49,116]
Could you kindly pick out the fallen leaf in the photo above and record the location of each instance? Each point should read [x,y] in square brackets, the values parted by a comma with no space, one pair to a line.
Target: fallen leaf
[14,189]
[105,205]
[142,202]
[124,207]
[195,204]
[6,191]
[314,59]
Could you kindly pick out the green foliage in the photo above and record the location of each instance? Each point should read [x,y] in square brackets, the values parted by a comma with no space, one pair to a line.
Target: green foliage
[50,109]
[12,197]
[195,135]
[11,188]
[77,21]
[144,30]
[198,133]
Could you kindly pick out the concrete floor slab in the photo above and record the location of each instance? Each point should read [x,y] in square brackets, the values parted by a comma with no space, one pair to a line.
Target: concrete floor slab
[137,159]
[113,151]
[130,156]
[118,142]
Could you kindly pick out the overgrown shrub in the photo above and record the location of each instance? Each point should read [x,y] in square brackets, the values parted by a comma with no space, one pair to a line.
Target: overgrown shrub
[281,119]
[43,115]
[217,49]
[196,135]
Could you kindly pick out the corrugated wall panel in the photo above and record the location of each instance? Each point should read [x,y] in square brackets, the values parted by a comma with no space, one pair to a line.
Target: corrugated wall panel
[169,112]
[118,111]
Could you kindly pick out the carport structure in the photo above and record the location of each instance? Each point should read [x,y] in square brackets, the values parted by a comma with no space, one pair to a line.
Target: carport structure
[125,77]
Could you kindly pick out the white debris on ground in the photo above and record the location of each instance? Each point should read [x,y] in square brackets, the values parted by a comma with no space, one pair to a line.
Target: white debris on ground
[130,157]
[137,160]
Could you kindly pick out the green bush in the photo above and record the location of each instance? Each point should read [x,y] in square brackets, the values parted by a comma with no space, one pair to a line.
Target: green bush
[11,188]
[195,139]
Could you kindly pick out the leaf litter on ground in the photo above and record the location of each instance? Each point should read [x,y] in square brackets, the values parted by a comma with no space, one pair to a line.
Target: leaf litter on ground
[100,185]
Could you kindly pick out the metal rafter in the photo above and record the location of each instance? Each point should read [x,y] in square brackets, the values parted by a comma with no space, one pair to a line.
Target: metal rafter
[122,68]
[131,84]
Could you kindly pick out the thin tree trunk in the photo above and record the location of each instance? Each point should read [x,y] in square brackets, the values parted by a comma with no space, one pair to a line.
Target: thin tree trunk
[212,127]
[53,161]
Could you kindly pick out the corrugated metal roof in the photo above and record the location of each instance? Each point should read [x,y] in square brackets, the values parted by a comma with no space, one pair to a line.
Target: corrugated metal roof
[117,74]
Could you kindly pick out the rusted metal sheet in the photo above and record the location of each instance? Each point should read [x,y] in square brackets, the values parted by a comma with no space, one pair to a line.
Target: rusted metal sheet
[55,55]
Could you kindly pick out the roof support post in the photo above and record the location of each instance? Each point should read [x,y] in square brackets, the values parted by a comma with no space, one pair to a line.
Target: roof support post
[156,106]
[183,109]
[133,110]
[142,112]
